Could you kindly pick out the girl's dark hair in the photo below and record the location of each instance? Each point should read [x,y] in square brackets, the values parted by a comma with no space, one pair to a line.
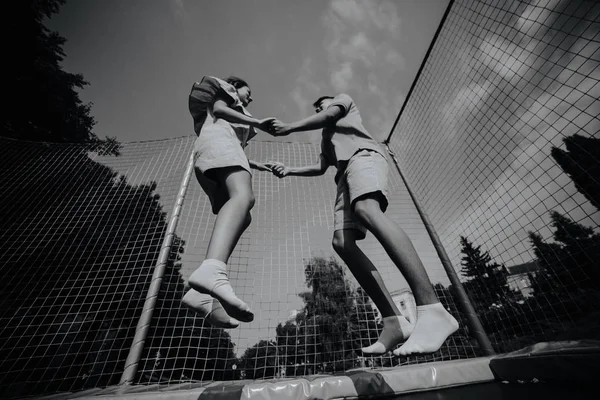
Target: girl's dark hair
[236,82]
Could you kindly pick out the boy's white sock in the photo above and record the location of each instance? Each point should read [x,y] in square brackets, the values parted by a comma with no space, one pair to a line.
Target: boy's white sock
[434,325]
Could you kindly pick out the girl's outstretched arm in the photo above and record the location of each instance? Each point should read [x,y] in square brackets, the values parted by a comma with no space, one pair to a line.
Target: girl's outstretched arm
[223,111]
[316,169]
[259,166]
[317,121]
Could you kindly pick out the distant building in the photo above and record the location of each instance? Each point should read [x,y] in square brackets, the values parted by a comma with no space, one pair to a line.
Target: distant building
[405,302]
[518,277]
[292,316]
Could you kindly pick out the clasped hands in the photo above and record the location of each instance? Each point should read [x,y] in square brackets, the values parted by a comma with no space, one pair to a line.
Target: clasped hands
[277,168]
[274,127]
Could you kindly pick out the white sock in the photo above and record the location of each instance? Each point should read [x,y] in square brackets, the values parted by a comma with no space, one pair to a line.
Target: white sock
[210,309]
[396,329]
[434,325]
[211,278]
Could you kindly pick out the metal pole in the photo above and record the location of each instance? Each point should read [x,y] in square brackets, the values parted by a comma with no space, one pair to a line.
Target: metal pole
[412,87]
[473,321]
[141,331]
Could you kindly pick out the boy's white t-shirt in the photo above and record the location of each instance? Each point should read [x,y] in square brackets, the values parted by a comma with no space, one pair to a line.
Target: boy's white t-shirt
[348,135]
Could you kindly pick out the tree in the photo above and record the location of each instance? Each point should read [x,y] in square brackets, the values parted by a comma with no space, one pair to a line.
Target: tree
[260,360]
[180,346]
[365,328]
[581,161]
[487,283]
[327,334]
[565,298]
[76,277]
[43,102]
[460,344]
[328,308]
[569,263]
[79,245]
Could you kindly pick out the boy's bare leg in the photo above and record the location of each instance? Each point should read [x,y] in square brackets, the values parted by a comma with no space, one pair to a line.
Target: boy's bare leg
[233,218]
[395,326]
[434,323]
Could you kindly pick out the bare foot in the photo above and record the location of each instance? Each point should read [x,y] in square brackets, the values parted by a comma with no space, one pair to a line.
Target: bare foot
[396,329]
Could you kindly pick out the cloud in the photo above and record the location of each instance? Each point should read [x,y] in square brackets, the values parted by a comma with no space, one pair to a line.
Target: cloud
[305,92]
[382,15]
[363,60]
[306,88]
[359,48]
[178,8]
[341,79]
[528,123]
[348,10]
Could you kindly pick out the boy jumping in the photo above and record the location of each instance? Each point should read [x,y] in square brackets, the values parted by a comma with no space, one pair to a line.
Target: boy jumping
[361,201]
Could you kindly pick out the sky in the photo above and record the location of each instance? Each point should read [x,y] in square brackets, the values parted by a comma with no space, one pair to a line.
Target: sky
[507,84]
[141,57]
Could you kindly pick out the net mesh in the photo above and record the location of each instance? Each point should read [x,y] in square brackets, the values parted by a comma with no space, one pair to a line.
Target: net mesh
[498,141]
[83,233]
[80,236]
[310,315]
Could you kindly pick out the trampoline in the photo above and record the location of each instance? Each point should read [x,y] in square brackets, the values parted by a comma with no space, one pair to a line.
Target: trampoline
[551,370]
[97,248]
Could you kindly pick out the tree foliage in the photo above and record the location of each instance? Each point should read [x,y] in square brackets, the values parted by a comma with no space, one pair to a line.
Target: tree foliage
[487,283]
[79,245]
[326,335]
[43,100]
[260,360]
[570,262]
[180,347]
[581,161]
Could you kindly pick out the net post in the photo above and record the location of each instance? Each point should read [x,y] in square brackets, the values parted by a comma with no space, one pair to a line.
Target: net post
[141,331]
[473,321]
[414,83]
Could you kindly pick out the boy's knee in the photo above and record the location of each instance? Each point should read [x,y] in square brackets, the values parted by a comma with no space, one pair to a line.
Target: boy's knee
[337,243]
[364,211]
[367,207]
[341,242]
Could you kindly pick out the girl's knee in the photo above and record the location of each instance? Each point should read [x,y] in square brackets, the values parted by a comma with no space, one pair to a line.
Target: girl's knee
[248,220]
[251,200]
[244,199]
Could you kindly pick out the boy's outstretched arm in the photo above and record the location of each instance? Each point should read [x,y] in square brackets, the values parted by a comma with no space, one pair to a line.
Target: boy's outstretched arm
[310,170]
[317,121]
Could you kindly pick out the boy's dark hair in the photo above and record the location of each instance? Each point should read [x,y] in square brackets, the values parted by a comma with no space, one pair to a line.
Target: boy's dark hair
[320,99]
[236,82]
